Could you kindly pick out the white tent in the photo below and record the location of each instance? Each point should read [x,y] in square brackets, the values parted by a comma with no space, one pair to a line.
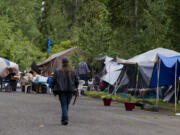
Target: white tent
[145,63]
[149,56]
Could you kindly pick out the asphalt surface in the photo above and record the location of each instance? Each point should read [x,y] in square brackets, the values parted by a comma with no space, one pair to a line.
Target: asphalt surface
[38,114]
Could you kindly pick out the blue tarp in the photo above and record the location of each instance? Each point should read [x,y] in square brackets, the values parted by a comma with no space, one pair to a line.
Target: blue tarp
[167,71]
[6,61]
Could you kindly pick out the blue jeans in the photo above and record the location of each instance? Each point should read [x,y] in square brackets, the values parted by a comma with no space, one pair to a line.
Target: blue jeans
[65,99]
[84,77]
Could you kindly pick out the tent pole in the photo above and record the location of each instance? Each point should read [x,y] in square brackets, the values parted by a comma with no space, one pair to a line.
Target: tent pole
[137,79]
[116,87]
[175,86]
[118,83]
[178,90]
[158,75]
[114,92]
[109,77]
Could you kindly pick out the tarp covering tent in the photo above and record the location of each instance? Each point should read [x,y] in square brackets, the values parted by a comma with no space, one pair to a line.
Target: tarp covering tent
[145,63]
[5,65]
[113,70]
[167,71]
[53,62]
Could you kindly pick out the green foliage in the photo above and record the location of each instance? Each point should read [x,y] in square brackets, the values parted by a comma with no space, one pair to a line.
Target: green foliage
[129,98]
[173,13]
[121,28]
[54,24]
[24,15]
[95,33]
[141,30]
[95,94]
[117,98]
[17,48]
[62,46]
[106,96]
[18,30]
[75,58]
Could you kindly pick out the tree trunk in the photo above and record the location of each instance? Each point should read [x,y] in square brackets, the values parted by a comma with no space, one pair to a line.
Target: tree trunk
[136,13]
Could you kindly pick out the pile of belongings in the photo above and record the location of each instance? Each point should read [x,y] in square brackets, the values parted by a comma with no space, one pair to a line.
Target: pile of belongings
[27,79]
[6,65]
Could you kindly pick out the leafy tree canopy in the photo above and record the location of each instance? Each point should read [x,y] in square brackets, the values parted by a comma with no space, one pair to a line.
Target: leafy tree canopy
[122,28]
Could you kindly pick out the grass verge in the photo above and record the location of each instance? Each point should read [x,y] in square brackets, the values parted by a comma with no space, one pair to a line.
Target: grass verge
[119,98]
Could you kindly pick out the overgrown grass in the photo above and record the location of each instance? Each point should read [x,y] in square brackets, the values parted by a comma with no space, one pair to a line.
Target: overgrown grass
[118,98]
[121,99]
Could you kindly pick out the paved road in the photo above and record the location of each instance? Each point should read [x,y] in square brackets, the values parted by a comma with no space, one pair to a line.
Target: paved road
[32,114]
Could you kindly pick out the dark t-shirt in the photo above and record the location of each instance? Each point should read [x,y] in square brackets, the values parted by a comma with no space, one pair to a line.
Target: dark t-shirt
[9,76]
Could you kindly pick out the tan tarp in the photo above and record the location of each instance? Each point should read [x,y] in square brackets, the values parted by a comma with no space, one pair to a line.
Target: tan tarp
[53,62]
[124,62]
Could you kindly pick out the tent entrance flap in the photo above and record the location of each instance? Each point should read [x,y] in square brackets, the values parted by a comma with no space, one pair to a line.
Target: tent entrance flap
[135,76]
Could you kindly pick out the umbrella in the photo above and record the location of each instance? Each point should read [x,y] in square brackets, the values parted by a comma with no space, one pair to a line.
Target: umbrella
[6,65]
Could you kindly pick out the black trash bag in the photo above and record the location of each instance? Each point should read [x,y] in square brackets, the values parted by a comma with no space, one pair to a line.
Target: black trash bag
[35,68]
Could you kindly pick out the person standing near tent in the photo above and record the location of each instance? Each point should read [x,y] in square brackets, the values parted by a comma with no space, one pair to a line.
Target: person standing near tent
[65,83]
[13,79]
[50,81]
[83,71]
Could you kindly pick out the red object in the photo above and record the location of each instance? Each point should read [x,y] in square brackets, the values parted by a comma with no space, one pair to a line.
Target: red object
[107,101]
[129,106]
[101,85]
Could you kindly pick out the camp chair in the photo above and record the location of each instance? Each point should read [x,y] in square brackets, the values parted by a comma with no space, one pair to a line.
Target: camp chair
[28,86]
[90,84]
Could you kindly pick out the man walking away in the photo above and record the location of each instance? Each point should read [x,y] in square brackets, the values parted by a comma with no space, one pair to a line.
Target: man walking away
[83,71]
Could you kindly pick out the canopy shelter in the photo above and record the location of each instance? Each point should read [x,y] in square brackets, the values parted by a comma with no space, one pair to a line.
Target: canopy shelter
[142,65]
[6,66]
[166,72]
[54,62]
